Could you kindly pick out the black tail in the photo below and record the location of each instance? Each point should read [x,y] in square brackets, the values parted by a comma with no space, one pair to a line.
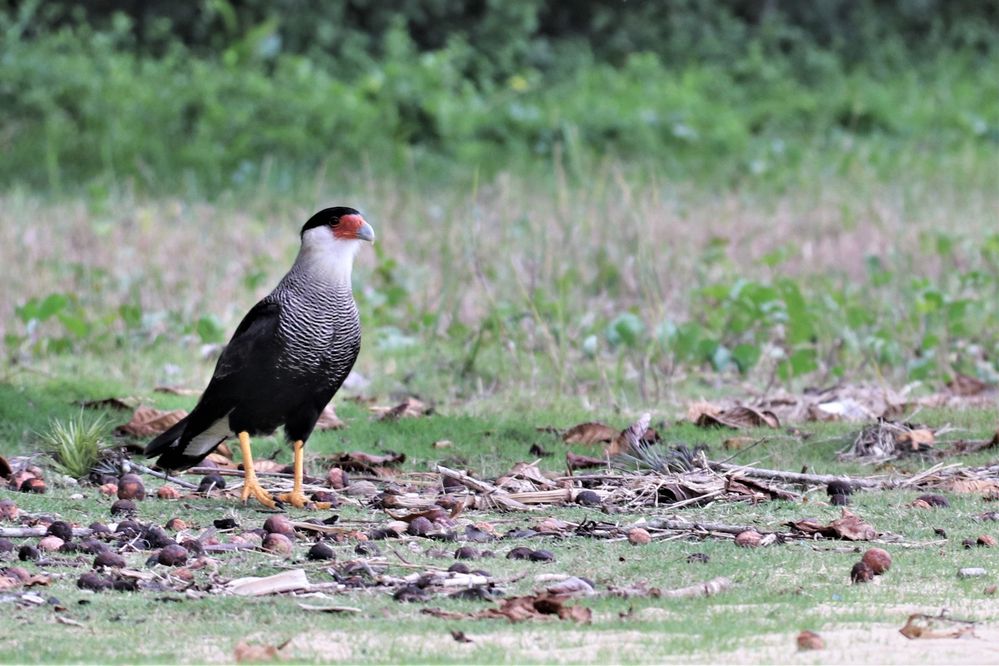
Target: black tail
[169,447]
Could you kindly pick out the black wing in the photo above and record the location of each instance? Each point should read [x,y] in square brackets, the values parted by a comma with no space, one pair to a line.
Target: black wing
[252,350]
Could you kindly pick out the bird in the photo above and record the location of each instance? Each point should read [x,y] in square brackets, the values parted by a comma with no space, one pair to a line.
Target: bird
[285,361]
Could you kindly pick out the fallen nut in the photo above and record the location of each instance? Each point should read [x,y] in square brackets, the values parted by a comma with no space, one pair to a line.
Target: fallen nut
[61,529]
[861,573]
[109,558]
[320,551]
[8,510]
[176,524]
[986,540]
[93,581]
[748,539]
[167,493]
[809,640]
[130,487]
[278,544]
[878,560]
[172,556]
[50,543]
[279,524]
[638,537]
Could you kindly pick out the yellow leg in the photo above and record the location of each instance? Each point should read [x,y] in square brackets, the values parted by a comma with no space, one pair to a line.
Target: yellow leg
[296,497]
[251,488]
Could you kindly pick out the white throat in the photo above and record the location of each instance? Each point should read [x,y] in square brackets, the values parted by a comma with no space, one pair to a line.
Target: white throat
[325,258]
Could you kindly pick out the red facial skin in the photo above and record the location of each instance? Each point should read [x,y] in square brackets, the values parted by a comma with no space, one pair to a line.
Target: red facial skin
[348,227]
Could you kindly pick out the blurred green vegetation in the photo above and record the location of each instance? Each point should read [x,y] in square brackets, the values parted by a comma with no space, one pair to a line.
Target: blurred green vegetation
[216,95]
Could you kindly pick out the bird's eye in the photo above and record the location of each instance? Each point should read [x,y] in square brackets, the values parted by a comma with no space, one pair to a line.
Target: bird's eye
[335,221]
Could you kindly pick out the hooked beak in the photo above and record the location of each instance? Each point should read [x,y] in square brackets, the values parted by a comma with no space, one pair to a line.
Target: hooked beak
[353,227]
[365,233]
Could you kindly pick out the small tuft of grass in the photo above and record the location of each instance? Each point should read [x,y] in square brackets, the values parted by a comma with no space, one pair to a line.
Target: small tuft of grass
[75,445]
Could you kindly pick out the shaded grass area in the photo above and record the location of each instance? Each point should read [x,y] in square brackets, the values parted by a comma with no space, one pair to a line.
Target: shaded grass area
[777,590]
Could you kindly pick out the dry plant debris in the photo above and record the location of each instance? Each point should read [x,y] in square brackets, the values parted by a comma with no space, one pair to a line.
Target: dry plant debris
[147,421]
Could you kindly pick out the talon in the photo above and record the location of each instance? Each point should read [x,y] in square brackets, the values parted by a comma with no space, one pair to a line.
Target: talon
[251,487]
[297,500]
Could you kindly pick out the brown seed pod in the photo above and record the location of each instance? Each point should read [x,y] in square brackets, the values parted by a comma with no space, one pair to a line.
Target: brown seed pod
[211,482]
[519,553]
[130,487]
[27,553]
[176,524]
[933,500]
[8,510]
[638,537]
[840,500]
[50,544]
[33,485]
[459,567]
[467,553]
[541,556]
[420,526]
[167,493]
[93,581]
[878,560]
[809,640]
[278,543]
[61,529]
[320,551]
[969,543]
[337,478]
[123,507]
[19,573]
[109,558]
[748,539]
[588,498]
[279,524]
[6,546]
[172,556]
[861,573]
[986,540]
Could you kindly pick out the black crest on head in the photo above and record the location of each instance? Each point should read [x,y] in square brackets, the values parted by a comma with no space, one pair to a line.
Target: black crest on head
[328,217]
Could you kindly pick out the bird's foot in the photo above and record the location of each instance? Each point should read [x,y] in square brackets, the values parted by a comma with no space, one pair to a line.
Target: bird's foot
[300,501]
[251,488]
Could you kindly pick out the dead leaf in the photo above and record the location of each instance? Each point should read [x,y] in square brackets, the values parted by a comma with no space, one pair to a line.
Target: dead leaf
[328,420]
[738,443]
[267,466]
[460,636]
[62,619]
[848,526]
[757,489]
[329,609]
[967,486]
[576,461]
[359,461]
[253,586]
[590,433]
[5,469]
[965,386]
[537,606]
[37,579]
[147,421]
[408,408]
[737,418]
[110,403]
[250,652]
[927,626]
[176,390]
[221,460]
[918,439]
